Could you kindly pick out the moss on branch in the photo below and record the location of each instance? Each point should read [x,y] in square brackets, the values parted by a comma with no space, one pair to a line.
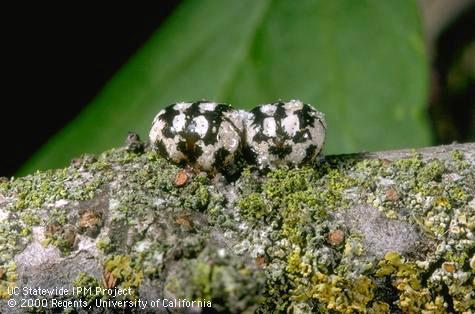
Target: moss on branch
[372,233]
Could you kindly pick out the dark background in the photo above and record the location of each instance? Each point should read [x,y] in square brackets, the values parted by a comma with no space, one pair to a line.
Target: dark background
[57,59]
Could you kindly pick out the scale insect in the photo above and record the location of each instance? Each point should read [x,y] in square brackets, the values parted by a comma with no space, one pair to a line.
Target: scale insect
[211,136]
[284,133]
[205,135]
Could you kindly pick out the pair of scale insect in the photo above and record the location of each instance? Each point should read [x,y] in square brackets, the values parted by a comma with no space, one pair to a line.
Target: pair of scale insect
[209,136]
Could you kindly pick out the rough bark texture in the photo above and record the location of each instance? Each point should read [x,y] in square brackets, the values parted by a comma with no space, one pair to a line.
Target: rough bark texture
[372,232]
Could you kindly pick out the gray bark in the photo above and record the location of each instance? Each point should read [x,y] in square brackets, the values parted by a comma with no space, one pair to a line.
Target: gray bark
[368,224]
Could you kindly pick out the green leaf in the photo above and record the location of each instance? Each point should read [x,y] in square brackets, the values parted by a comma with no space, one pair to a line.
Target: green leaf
[363,63]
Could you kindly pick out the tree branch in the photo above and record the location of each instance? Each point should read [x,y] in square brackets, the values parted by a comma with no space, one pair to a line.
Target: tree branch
[377,232]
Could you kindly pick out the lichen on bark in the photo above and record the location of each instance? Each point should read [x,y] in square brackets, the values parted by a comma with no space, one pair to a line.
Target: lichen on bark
[372,233]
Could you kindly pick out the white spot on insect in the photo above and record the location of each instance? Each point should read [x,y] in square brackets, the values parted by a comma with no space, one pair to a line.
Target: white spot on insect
[268,109]
[179,122]
[226,135]
[181,106]
[291,124]
[294,105]
[269,127]
[199,125]
[208,106]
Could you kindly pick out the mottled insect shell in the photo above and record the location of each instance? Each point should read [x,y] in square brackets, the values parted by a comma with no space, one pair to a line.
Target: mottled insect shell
[284,133]
[203,134]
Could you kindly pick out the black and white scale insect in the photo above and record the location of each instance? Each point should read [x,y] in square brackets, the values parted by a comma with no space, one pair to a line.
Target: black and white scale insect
[203,134]
[284,133]
[211,136]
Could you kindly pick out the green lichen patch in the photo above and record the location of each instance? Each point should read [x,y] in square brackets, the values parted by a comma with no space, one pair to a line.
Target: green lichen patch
[124,271]
[405,276]
[253,207]
[231,284]
[297,204]
[34,201]
[8,278]
[341,236]
[287,195]
[47,187]
[422,192]
[161,220]
[88,288]
[427,199]
[12,238]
